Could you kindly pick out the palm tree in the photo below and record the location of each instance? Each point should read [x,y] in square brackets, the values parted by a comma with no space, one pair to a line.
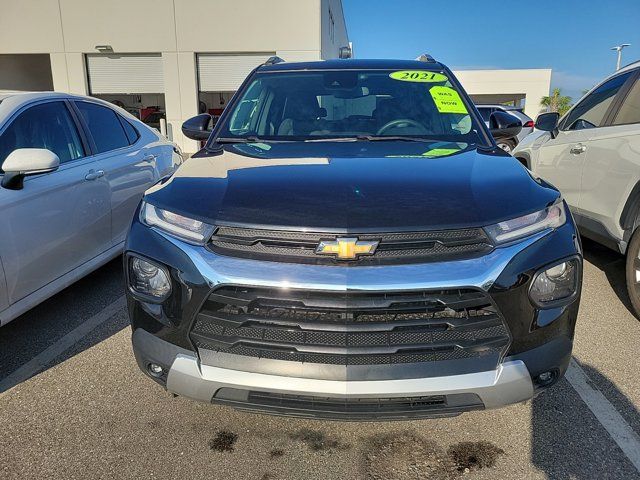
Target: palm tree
[556,102]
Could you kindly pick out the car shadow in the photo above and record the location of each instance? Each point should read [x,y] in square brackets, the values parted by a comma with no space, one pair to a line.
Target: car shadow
[31,334]
[569,443]
[613,265]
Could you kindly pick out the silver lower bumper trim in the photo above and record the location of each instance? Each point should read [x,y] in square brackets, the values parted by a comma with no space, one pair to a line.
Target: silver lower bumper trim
[510,383]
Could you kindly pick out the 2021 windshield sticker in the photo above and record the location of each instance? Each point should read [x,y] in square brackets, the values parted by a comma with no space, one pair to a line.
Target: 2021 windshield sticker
[447,100]
[418,76]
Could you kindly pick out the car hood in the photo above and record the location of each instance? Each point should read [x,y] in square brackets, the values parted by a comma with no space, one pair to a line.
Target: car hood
[352,186]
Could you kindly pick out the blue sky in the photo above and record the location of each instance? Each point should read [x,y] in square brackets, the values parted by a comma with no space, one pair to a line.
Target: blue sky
[572,37]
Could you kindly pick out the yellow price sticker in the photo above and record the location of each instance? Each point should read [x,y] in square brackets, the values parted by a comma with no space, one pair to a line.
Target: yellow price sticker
[447,100]
[440,152]
[418,76]
[433,153]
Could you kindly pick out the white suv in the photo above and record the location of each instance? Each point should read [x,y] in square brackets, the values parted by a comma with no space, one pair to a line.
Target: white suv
[592,154]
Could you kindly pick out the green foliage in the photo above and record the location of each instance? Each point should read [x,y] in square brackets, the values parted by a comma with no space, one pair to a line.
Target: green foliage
[557,102]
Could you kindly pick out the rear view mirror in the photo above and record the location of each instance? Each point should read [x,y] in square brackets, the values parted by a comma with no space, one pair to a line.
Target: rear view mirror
[27,161]
[547,122]
[504,125]
[198,127]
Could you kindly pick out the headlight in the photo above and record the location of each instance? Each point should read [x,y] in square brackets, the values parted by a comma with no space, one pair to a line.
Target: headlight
[556,284]
[185,228]
[551,217]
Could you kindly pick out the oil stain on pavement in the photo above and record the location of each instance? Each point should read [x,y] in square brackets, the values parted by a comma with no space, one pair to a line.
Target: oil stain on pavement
[410,456]
[397,456]
[224,441]
[317,440]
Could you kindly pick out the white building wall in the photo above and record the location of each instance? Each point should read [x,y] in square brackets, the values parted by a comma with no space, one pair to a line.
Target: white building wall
[533,84]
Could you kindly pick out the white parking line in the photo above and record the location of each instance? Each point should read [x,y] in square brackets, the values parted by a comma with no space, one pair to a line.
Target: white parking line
[606,413]
[40,361]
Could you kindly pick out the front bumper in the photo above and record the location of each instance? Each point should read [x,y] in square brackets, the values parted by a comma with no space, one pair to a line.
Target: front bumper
[541,340]
[510,383]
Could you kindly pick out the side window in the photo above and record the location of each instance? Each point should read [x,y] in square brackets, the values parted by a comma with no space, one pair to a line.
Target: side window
[48,125]
[591,111]
[485,113]
[242,117]
[106,130]
[129,130]
[630,110]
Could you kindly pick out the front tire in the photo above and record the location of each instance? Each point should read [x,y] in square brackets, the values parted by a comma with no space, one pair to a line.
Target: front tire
[632,272]
[507,145]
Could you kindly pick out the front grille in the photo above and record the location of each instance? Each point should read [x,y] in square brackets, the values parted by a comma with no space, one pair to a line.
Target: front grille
[350,328]
[300,247]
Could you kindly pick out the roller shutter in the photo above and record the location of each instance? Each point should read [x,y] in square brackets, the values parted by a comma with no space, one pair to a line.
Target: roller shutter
[139,73]
[225,73]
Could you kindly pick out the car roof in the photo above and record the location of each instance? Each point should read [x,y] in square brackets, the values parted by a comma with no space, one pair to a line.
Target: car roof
[352,64]
[629,66]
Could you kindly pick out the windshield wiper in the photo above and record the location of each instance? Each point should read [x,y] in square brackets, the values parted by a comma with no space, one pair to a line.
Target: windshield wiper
[401,138]
[251,139]
[370,138]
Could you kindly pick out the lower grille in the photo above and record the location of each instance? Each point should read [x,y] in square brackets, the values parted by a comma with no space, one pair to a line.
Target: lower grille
[345,409]
[350,328]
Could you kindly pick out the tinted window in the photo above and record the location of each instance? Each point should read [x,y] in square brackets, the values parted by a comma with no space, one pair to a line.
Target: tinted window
[485,113]
[49,126]
[105,128]
[346,103]
[591,111]
[130,131]
[630,110]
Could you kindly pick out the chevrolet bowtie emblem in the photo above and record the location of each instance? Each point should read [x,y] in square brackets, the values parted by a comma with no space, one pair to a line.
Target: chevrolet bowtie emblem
[346,248]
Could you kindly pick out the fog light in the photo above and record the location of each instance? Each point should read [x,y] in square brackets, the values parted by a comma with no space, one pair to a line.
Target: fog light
[555,284]
[149,279]
[155,370]
[546,378]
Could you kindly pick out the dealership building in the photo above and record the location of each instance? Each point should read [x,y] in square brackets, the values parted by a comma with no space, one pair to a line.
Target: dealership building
[168,60]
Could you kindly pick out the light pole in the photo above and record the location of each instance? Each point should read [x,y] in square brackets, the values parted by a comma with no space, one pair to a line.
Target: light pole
[619,50]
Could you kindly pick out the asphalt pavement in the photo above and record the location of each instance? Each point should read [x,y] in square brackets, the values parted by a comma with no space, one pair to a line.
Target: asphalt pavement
[74,405]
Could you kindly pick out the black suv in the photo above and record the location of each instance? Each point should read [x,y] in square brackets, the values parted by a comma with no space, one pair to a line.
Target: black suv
[350,243]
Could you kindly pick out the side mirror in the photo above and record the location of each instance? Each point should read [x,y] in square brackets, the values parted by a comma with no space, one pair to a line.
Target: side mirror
[504,125]
[27,161]
[198,127]
[548,122]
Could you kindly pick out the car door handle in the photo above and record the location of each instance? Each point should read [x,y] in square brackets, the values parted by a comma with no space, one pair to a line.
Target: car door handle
[150,158]
[578,148]
[94,174]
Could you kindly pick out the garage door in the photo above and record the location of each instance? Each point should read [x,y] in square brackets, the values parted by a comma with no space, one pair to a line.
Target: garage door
[125,74]
[225,73]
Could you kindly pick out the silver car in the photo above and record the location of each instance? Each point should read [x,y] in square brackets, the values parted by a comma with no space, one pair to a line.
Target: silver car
[527,122]
[73,170]
[592,155]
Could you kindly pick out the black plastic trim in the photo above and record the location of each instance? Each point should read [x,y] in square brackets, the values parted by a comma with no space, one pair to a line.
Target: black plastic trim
[596,231]
[631,208]
[354,409]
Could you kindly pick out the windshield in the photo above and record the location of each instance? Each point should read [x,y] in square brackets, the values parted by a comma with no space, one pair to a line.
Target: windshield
[337,104]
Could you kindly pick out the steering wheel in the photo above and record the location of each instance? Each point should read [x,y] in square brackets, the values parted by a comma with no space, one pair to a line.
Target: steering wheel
[402,122]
